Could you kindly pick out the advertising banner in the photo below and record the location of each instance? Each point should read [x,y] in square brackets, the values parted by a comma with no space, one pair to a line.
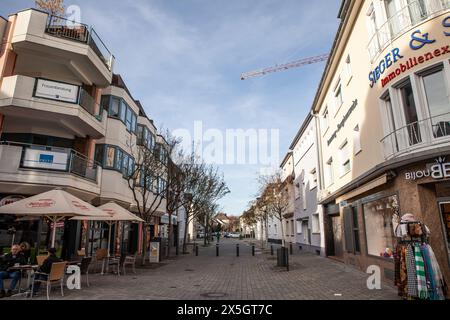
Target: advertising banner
[56,91]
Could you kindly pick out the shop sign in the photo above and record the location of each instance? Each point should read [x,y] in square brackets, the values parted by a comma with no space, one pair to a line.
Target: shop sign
[45,159]
[418,41]
[80,205]
[438,170]
[41,203]
[10,199]
[342,123]
[56,91]
[58,224]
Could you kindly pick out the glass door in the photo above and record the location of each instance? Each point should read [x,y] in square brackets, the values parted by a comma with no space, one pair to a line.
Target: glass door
[410,112]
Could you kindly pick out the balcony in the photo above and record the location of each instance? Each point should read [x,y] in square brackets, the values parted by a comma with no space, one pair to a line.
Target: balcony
[417,136]
[58,40]
[63,105]
[404,20]
[64,28]
[26,168]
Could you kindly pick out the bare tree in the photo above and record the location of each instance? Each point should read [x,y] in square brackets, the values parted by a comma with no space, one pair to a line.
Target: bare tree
[148,183]
[53,7]
[205,188]
[275,199]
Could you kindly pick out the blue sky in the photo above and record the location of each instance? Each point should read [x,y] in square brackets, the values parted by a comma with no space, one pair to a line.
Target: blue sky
[182,59]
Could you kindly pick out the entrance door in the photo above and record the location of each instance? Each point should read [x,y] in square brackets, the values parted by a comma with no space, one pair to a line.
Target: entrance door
[445,211]
[337,236]
[305,232]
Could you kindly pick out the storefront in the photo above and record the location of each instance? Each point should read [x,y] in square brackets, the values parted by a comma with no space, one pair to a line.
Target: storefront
[366,216]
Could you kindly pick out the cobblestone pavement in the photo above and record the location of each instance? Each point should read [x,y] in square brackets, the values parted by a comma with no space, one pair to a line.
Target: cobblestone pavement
[226,277]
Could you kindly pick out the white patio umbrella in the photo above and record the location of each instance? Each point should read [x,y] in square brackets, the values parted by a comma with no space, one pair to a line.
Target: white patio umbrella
[55,205]
[114,214]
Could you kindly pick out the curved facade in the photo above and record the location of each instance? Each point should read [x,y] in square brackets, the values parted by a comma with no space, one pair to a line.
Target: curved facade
[383,123]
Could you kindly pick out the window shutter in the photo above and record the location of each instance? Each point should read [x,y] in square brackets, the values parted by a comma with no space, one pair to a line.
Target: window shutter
[348,229]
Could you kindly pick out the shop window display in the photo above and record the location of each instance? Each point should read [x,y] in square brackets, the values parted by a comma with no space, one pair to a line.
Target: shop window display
[378,221]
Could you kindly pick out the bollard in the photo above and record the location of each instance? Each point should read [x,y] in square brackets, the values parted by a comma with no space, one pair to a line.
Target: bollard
[237,250]
[271,250]
[287,261]
[290,248]
[253,250]
[196,250]
[217,250]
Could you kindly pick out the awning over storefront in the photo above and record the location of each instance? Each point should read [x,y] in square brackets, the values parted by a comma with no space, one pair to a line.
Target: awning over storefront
[382,180]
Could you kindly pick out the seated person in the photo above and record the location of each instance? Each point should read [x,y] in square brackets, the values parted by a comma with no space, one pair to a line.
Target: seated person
[9,261]
[45,269]
[25,248]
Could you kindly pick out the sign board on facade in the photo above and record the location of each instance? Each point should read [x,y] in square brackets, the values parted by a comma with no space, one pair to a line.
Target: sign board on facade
[56,91]
[393,65]
[10,199]
[437,170]
[45,159]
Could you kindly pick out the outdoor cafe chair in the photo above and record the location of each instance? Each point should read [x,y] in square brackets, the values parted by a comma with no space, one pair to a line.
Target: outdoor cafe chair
[130,261]
[40,259]
[56,275]
[84,268]
[100,257]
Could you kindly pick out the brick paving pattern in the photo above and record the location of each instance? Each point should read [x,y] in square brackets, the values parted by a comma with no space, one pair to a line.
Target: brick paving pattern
[228,277]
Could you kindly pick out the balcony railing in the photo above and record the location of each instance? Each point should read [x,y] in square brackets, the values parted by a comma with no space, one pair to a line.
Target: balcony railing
[417,134]
[89,104]
[406,18]
[76,31]
[46,158]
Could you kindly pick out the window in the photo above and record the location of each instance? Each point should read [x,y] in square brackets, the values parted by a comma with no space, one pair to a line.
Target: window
[114,109]
[99,153]
[123,111]
[410,112]
[292,228]
[348,69]
[315,223]
[417,10]
[356,140]
[313,179]
[325,121]
[351,230]
[149,179]
[338,97]
[394,19]
[130,167]
[379,230]
[119,157]
[105,102]
[297,190]
[329,177]
[125,160]
[299,227]
[287,227]
[110,156]
[129,119]
[438,101]
[305,205]
[133,122]
[150,141]
[344,158]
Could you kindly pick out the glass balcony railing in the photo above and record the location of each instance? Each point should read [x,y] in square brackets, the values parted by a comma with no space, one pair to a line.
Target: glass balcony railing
[76,31]
[89,104]
[417,135]
[47,158]
[402,21]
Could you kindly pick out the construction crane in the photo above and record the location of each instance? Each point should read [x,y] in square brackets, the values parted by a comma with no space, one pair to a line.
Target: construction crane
[285,66]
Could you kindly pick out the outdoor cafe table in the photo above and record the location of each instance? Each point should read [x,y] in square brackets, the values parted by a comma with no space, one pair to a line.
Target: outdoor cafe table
[29,269]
